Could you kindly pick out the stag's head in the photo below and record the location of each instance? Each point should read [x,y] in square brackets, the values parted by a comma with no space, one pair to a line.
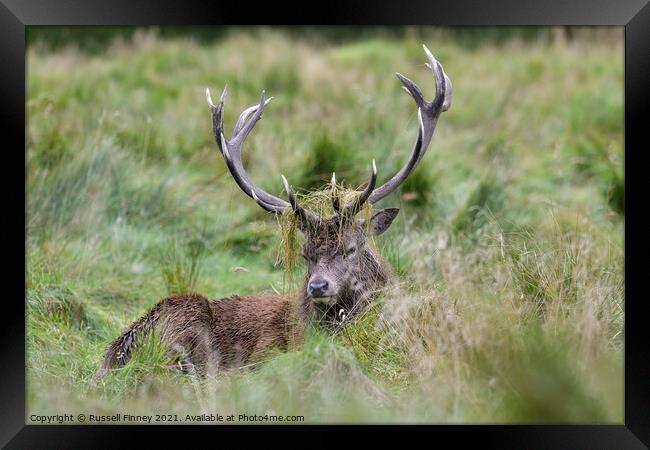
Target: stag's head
[341,268]
[340,264]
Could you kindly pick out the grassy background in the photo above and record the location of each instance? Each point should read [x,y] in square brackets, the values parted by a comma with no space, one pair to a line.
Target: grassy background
[509,244]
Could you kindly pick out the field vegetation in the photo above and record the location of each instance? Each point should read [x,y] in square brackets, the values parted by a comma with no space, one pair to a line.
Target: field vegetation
[508,246]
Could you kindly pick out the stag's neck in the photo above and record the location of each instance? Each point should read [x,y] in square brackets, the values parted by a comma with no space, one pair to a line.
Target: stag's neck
[374,274]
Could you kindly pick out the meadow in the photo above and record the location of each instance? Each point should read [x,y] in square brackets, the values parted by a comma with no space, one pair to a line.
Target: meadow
[508,246]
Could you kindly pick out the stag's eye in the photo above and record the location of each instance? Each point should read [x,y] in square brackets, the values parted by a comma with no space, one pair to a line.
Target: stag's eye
[350,251]
[311,258]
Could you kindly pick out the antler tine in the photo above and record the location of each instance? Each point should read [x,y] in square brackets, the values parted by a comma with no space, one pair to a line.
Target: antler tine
[443,84]
[231,150]
[244,115]
[245,127]
[428,114]
[301,212]
[266,206]
[217,114]
[336,204]
[355,207]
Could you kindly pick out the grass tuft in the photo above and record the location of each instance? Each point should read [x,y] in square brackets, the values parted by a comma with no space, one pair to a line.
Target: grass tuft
[181,266]
[485,197]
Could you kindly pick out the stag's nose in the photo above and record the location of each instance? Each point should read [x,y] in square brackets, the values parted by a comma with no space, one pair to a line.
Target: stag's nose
[317,288]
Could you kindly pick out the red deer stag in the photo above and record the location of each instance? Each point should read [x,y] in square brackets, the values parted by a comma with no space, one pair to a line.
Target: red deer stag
[343,273]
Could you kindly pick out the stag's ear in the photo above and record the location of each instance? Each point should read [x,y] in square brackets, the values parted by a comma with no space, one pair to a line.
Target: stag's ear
[382,220]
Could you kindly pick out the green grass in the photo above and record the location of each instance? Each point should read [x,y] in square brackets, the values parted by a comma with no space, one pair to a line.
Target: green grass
[508,246]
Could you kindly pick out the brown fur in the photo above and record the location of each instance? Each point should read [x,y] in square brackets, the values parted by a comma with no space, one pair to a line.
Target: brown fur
[212,334]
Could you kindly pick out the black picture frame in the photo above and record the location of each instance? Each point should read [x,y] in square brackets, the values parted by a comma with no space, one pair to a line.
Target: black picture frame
[633,15]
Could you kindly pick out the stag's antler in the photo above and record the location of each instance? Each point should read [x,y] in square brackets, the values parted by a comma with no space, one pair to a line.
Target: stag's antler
[231,150]
[428,113]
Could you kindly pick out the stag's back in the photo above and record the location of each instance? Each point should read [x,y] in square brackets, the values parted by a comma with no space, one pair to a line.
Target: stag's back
[248,327]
